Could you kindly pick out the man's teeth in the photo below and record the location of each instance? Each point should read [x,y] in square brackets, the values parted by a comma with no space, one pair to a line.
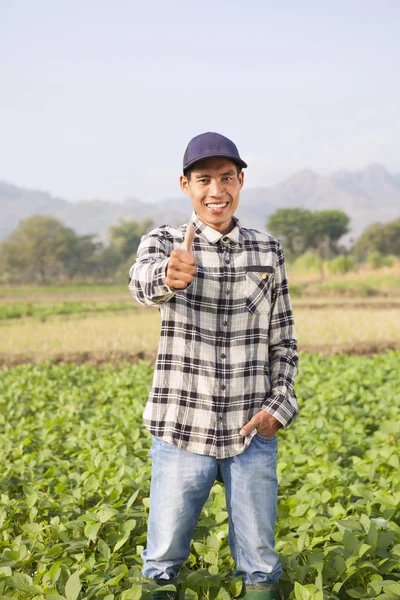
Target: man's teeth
[217,205]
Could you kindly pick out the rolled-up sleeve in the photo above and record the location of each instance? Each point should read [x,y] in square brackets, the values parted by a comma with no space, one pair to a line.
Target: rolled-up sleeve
[283,355]
[147,275]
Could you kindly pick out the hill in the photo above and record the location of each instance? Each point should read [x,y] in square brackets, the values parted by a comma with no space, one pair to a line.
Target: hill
[369,195]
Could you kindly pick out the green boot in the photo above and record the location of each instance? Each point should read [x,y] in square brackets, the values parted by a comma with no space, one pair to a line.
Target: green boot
[261,591]
[160,594]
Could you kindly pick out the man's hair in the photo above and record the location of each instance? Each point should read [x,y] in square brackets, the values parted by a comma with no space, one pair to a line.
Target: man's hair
[187,172]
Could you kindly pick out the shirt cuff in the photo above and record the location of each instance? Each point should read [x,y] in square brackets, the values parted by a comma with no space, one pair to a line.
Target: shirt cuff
[280,407]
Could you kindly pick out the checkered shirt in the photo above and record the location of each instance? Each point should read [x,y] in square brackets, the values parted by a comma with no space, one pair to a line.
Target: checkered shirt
[228,345]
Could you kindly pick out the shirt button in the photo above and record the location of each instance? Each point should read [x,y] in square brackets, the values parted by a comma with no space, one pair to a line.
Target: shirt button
[223,355]
[225,240]
[227,260]
[220,419]
[223,387]
[225,323]
[227,292]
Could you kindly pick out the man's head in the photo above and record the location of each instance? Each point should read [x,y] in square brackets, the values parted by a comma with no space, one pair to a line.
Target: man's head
[212,178]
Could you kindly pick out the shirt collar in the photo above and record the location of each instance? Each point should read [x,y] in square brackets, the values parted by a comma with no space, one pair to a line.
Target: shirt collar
[214,236]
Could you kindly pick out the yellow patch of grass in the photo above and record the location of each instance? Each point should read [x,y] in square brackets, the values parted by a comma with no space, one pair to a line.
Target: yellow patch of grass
[138,332]
[338,326]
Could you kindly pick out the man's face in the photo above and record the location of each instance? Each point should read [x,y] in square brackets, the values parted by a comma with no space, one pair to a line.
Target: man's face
[214,188]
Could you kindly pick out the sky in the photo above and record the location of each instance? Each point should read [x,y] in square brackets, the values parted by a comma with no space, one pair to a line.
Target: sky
[100,98]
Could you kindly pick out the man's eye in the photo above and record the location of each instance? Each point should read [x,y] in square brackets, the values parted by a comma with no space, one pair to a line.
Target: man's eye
[228,178]
[203,180]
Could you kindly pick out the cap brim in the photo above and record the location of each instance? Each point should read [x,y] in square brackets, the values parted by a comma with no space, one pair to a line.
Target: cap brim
[238,161]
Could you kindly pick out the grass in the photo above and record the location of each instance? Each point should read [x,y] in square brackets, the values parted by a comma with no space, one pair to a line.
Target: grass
[137,333]
[337,326]
[60,289]
[18,310]
[107,333]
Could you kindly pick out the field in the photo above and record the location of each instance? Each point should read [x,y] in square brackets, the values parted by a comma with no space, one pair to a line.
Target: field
[74,453]
[102,324]
[75,485]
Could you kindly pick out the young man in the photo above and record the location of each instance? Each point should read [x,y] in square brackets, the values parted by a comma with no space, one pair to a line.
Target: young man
[224,374]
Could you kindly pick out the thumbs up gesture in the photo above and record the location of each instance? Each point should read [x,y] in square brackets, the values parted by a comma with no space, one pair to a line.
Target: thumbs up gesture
[181,265]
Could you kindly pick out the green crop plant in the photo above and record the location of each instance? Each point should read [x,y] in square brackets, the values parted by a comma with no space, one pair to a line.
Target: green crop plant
[75,475]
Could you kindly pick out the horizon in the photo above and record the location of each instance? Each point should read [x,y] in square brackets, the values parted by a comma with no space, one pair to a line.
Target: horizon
[245,188]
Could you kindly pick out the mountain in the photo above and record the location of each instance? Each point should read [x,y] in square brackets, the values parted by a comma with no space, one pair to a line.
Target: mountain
[86,216]
[369,195]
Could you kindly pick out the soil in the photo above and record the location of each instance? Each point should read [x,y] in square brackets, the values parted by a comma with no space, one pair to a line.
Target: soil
[346,305]
[120,358]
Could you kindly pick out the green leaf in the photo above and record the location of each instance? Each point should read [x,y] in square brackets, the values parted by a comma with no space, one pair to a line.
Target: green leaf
[32,528]
[31,499]
[121,542]
[213,542]
[106,513]
[104,549]
[24,583]
[73,586]
[211,558]
[132,499]
[235,587]
[91,530]
[393,588]
[357,592]
[200,548]
[134,593]
[301,592]
[351,542]
[222,595]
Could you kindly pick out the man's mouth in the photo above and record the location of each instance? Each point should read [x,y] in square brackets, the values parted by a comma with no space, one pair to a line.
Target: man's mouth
[217,207]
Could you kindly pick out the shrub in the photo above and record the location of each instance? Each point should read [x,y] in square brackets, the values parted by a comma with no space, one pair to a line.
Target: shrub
[340,265]
[377,260]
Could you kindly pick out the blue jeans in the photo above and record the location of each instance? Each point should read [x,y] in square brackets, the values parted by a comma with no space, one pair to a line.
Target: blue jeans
[180,485]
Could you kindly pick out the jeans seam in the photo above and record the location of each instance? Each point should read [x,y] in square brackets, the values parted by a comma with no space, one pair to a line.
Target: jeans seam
[238,551]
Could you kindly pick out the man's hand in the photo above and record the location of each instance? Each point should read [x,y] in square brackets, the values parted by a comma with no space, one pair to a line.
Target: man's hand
[265,424]
[181,265]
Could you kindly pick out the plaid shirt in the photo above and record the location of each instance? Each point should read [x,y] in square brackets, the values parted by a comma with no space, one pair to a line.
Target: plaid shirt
[228,346]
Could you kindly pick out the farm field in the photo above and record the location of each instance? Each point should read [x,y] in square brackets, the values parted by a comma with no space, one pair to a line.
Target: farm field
[75,485]
[130,334]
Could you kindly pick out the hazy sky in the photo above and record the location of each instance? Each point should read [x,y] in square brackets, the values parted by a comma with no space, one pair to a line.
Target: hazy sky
[99,98]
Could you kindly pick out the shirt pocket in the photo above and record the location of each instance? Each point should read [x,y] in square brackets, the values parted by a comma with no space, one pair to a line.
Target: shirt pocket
[259,284]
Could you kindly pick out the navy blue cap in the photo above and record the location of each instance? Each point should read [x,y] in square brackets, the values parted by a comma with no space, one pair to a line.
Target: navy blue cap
[211,144]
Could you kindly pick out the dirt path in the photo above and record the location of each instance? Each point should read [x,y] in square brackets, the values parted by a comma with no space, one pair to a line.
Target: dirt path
[298,305]
[119,358]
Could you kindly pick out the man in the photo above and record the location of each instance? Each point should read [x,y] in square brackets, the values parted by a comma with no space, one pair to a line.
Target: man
[224,374]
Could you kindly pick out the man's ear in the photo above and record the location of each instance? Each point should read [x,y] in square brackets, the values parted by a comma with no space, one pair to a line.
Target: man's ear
[241,179]
[184,183]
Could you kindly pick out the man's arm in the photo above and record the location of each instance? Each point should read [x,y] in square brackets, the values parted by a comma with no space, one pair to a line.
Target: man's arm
[147,275]
[283,355]
[156,276]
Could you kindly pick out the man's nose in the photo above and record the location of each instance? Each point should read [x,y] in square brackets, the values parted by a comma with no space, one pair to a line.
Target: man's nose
[216,189]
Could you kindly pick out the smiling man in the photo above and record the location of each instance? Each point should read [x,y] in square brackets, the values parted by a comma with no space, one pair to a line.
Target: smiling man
[224,375]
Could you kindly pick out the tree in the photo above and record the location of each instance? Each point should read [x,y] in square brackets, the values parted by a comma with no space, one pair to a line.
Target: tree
[329,226]
[293,226]
[301,230]
[379,237]
[126,235]
[83,256]
[38,247]
[42,248]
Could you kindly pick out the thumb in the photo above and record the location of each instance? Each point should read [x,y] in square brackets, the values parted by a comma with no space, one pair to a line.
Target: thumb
[189,237]
[248,428]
